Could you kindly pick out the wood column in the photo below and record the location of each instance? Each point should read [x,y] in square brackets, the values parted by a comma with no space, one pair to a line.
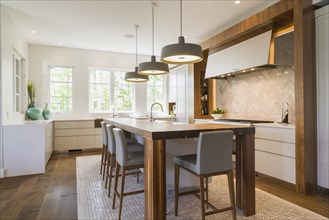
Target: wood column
[245,173]
[305,97]
[155,179]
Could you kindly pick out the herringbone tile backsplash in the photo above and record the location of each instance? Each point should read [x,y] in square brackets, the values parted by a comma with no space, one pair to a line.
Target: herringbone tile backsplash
[258,95]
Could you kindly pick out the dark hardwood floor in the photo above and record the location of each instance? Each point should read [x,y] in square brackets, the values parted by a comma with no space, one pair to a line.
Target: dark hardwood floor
[53,195]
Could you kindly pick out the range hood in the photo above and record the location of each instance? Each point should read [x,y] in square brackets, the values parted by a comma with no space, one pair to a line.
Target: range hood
[253,54]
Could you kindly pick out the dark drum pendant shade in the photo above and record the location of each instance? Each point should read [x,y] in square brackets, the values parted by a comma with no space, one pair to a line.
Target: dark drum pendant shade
[181,53]
[153,67]
[135,76]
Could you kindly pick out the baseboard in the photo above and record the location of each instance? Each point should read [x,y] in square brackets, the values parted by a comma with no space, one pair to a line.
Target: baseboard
[2,173]
[323,190]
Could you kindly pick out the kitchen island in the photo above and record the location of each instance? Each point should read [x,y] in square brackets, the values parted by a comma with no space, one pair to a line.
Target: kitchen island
[155,135]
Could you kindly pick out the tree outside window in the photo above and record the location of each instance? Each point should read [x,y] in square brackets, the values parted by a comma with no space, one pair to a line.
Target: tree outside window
[60,81]
[155,91]
[108,91]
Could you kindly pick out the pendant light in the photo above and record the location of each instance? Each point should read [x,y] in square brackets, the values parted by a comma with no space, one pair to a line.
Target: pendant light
[181,53]
[135,76]
[153,67]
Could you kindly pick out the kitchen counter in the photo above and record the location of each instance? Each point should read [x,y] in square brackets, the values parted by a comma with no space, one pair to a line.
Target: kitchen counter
[155,135]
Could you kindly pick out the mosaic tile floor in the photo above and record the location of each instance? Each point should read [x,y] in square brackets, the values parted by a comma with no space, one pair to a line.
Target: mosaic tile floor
[93,202]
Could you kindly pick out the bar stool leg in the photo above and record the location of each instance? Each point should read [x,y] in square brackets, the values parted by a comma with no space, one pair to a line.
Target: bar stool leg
[231,189]
[105,162]
[202,196]
[176,188]
[110,175]
[102,160]
[123,176]
[117,167]
[207,192]
[107,168]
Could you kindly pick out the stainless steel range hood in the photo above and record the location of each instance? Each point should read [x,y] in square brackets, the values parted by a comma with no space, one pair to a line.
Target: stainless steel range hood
[261,52]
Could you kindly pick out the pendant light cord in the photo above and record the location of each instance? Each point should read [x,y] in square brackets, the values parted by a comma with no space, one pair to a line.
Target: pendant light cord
[181,17]
[153,30]
[136,26]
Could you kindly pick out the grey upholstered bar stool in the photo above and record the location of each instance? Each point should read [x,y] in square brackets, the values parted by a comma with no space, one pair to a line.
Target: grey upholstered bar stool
[127,161]
[132,145]
[214,157]
[104,149]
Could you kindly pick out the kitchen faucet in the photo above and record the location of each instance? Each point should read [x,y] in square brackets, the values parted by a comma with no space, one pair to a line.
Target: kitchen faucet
[156,103]
[285,113]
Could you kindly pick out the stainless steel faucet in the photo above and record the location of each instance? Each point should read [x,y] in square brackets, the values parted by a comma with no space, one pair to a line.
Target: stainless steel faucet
[285,113]
[156,103]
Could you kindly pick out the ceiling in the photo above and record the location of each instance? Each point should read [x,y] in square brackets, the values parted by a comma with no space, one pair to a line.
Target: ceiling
[101,25]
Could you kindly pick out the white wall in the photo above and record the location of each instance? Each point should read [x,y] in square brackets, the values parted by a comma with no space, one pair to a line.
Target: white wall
[11,40]
[41,57]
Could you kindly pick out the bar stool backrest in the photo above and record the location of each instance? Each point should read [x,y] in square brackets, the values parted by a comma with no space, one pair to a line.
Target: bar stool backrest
[103,124]
[214,152]
[111,141]
[121,146]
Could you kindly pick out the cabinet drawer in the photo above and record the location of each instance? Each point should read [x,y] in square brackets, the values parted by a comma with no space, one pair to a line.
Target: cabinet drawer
[98,131]
[86,131]
[277,166]
[278,134]
[65,143]
[86,142]
[282,148]
[86,124]
[65,132]
[65,124]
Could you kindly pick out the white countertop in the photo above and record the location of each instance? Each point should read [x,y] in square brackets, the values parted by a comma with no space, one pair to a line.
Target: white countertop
[27,122]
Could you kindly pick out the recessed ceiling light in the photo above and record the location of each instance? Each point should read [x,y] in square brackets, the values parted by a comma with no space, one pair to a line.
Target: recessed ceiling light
[129,36]
[243,71]
[252,69]
[33,32]
[60,44]
[237,2]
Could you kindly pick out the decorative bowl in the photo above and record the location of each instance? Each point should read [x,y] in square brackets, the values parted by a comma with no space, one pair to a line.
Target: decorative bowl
[217,116]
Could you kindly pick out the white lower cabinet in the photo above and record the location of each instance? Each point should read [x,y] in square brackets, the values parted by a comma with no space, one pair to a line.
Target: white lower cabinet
[98,138]
[77,134]
[275,152]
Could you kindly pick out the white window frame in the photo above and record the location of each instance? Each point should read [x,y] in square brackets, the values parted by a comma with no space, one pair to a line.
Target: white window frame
[50,81]
[18,80]
[112,90]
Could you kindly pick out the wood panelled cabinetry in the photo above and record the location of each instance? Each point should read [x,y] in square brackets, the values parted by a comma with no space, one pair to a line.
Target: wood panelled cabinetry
[204,90]
[73,135]
[322,67]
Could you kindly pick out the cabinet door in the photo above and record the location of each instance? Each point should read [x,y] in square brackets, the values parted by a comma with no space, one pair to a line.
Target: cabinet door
[85,142]
[65,143]
[98,141]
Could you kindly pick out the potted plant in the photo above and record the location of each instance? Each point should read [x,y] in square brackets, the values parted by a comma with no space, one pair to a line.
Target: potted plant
[218,113]
[32,112]
[31,93]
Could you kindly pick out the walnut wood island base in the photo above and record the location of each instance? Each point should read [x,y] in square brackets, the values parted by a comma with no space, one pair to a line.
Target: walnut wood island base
[155,135]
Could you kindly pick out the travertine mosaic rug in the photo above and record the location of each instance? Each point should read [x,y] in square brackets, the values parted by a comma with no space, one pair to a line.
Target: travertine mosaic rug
[93,202]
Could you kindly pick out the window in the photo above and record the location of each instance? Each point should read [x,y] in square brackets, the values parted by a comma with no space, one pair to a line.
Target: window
[155,91]
[61,89]
[17,71]
[123,92]
[108,90]
[99,90]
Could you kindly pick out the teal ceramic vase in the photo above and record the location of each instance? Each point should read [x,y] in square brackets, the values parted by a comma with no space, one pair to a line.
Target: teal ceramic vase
[34,113]
[46,112]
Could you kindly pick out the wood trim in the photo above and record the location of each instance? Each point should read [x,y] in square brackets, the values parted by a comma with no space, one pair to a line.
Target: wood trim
[305,97]
[250,27]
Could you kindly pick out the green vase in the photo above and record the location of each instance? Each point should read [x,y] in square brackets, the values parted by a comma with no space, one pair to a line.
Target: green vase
[34,113]
[46,112]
